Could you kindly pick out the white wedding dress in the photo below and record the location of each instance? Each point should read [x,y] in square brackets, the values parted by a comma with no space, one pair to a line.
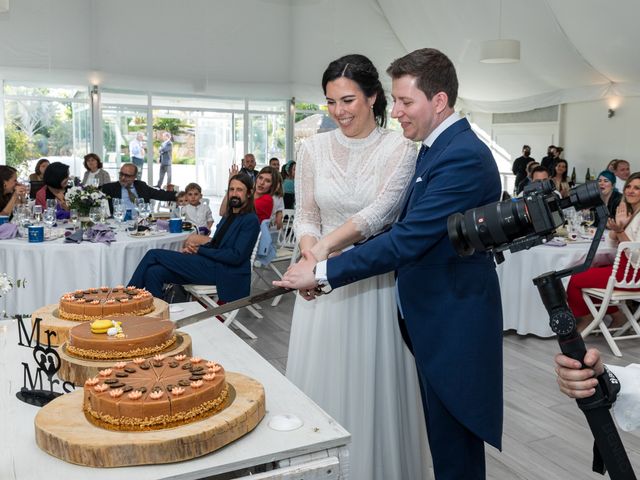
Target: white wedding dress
[345,350]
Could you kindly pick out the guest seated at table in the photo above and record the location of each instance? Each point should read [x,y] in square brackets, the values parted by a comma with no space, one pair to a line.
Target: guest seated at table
[263,192]
[198,212]
[128,189]
[38,175]
[94,172]
[610,196]
[559,177]
[289,184]
[11,192]
[56,179]
[624,228]
[223,260]
[527,180]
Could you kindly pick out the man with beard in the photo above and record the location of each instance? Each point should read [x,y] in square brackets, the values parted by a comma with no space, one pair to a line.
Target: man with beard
[223,260]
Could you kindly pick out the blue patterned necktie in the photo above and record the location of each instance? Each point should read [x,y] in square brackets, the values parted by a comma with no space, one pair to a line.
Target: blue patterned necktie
[422,153]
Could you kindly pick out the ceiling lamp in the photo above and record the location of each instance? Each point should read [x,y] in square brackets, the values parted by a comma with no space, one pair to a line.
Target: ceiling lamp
[501,50]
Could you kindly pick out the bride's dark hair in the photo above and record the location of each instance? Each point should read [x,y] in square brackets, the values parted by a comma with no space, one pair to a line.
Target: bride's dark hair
[359,69]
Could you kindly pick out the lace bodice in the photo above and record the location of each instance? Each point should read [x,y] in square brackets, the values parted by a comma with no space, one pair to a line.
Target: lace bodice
[338,178]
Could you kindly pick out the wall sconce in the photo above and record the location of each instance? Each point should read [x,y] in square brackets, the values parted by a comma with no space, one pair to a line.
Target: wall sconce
[610,113]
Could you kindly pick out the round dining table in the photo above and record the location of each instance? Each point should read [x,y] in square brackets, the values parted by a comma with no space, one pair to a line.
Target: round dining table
[522,308]
[53,267]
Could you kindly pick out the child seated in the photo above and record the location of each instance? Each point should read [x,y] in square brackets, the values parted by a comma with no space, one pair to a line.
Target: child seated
[197,212]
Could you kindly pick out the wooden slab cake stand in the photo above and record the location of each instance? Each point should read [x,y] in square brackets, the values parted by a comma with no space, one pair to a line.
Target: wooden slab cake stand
[51,321]
[63,431]
[77,370]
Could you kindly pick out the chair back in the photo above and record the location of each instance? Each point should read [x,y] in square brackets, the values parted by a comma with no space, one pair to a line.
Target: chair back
[630,276]
[286,235]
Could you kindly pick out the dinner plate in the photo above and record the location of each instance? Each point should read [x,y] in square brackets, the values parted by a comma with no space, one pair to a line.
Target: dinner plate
[146,234]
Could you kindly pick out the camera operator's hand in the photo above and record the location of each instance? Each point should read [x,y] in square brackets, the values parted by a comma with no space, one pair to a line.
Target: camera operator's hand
[574,381]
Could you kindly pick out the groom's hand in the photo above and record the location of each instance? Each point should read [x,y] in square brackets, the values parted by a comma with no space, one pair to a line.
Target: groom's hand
[301,276]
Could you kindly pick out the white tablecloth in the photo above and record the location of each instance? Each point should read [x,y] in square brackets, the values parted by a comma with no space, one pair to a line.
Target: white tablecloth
[52,268]
[522,309]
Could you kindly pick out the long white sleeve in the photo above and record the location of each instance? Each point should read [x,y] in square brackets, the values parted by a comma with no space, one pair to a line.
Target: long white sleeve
[307,219]
[392,185]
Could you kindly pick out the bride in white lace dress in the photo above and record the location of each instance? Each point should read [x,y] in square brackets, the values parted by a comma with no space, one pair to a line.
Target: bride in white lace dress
[346,351]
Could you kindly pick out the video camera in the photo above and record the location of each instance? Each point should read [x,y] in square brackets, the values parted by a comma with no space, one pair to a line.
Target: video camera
[519,223]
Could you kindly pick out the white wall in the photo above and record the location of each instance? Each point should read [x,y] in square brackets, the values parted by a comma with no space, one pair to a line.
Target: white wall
[592,140]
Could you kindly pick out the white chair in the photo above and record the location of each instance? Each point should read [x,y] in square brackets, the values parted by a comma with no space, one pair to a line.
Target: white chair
[208,294]
[599,299]
[287,247]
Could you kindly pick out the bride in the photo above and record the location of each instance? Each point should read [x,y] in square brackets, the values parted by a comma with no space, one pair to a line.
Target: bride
[346,351]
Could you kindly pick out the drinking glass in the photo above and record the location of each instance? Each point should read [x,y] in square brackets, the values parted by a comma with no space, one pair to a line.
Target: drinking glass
[95,182]
[116,202]
[50,218]
[119,214]
[95,214]
[51,202]
[27,186]
[37,214]
[73,217]
[183,213]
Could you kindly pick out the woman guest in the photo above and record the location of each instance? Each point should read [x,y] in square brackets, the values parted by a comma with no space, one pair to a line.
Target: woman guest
[56,178]
[263,194]
[610,196]
[346,351]
[559,177]
[624,228]
[94,172]
[11,192]
[224,260]
[289,184]
[38,175]
[278,201]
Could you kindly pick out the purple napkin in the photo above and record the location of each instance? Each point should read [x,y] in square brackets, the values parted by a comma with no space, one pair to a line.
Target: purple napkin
[8,230]
[101,234]
[162,225]
[75,237]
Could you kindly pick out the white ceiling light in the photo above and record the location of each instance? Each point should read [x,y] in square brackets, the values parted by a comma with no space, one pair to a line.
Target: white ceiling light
[501,50]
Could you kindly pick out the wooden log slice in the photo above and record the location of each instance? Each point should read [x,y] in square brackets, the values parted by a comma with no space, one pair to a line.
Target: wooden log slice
[52,322]
[77,370]
[63,431]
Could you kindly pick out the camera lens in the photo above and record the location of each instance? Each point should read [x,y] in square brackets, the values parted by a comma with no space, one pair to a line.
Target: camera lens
[484,227]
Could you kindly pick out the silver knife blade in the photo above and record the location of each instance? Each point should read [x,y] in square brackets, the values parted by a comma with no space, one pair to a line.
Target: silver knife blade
[231,306]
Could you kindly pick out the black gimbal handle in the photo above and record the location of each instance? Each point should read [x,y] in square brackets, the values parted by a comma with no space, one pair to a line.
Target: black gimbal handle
[563,323]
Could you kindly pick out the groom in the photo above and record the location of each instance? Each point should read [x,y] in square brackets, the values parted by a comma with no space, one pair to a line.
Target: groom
[450,306]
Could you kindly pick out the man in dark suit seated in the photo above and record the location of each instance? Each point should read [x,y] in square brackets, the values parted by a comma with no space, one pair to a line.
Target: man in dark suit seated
[224,260]
[129,189]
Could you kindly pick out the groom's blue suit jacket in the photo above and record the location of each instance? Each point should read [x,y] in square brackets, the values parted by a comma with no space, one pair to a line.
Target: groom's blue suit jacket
[451,305]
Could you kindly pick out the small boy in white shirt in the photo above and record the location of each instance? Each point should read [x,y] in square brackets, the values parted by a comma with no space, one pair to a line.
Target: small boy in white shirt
[197,213]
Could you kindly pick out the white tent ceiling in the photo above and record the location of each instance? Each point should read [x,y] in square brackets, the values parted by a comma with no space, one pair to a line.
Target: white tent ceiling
[571,50]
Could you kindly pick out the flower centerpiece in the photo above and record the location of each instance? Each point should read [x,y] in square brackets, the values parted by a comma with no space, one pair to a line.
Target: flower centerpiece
[6,285]
[84,198]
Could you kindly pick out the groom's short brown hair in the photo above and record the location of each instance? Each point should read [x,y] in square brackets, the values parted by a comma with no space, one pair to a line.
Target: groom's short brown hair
[433,69]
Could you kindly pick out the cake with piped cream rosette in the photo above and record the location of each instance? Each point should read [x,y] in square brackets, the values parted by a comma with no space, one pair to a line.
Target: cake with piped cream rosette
[155,393]
[94,303]
[130,337]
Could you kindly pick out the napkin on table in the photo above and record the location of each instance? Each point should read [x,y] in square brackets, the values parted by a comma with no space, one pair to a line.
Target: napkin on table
[101,233]
[8,230]
[75,237]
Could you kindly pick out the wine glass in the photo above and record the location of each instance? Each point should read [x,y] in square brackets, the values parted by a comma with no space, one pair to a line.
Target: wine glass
[37,214]
[27,185]
[51,203]
[95,214]
[587,218]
